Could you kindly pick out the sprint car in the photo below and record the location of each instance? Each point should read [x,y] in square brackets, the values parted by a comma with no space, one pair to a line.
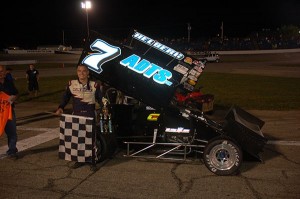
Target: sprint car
[167,119]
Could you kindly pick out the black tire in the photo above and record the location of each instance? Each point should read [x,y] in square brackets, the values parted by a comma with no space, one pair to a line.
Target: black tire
[102,150]
[209,112]
[223,156]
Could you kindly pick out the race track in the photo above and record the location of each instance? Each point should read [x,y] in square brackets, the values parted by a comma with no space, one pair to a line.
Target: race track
[281,65]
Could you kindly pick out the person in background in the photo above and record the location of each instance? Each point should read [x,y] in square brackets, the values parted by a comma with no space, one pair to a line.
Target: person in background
[8,74]
[84,93]
[8,94]
[32,76]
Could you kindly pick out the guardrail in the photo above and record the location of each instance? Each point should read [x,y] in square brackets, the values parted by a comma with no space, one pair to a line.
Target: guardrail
[249,52]
[29,51]
[18,62]
[274,51]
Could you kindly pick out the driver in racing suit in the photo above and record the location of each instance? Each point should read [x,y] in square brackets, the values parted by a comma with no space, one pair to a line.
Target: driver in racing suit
[84,94]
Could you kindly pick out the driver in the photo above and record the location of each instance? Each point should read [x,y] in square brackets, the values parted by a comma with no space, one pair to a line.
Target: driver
[84,94]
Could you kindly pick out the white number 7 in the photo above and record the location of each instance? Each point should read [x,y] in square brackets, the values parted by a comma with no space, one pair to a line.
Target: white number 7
[106,53]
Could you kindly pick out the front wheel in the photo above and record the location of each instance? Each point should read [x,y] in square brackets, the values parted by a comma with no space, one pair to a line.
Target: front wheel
[101,152]
[222,156]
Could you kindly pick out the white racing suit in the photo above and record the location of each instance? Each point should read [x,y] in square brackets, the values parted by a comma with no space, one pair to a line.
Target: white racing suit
[84,97]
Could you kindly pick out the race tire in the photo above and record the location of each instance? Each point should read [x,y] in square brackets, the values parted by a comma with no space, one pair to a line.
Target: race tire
[102,150]
[222,156]
[209,112]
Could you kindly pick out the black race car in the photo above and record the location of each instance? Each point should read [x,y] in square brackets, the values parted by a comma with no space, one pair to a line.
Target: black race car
[159,124]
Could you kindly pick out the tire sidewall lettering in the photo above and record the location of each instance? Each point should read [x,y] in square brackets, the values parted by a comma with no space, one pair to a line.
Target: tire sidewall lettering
[236,155]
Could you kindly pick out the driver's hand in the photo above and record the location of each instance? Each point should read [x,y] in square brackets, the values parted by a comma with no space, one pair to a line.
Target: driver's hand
[59,111]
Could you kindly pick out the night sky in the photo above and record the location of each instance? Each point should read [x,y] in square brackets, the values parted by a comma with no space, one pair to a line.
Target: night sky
[42,22]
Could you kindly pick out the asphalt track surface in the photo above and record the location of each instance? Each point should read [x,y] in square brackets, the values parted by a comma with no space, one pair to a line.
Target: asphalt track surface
[38,173]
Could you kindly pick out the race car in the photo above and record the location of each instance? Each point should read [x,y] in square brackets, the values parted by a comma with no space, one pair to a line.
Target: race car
[167,119]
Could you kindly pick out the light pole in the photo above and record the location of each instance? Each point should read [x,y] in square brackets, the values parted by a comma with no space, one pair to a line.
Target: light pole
[222,32]
[87,5]
[189,32]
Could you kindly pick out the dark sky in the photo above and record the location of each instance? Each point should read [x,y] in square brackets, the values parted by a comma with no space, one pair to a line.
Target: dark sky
[42,22]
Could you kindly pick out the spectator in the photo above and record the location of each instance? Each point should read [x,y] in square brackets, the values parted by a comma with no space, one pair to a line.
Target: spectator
[8,95]
[9,76]
[32,76]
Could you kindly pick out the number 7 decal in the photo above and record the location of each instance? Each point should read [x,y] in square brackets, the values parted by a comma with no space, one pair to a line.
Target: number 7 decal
[106,53]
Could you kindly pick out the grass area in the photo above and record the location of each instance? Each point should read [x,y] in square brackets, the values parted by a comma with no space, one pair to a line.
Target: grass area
[279,59]
[246,91]
[40,66]
[287,64]
[252,91]
[51,89]
[244,59]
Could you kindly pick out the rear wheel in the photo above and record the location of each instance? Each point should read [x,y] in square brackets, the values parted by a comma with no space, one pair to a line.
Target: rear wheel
[222,156]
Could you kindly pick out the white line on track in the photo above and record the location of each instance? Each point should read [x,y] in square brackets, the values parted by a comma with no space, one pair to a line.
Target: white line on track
[50,134]
[282,142]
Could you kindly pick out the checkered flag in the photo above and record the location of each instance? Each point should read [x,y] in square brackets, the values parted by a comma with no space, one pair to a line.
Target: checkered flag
[76,138]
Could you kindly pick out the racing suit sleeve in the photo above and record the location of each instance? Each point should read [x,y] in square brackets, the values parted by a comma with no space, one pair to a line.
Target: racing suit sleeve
[66,98]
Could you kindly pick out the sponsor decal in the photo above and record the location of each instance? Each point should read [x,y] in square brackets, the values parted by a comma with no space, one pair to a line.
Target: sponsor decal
[155,44]
[188,86]
[106,52]
[159,75]
[188,60]
[192,82]
[181,69]
[153,117]
[178,130]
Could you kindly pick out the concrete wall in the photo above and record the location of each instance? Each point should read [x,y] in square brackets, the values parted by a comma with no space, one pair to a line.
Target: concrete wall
[245,52]
[18,62]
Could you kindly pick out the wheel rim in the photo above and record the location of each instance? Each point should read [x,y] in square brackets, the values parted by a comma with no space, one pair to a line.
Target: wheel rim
[98,149]
[223,156]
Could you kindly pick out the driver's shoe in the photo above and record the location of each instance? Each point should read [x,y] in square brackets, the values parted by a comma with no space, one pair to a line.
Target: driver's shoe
[77,165]
[93,168]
